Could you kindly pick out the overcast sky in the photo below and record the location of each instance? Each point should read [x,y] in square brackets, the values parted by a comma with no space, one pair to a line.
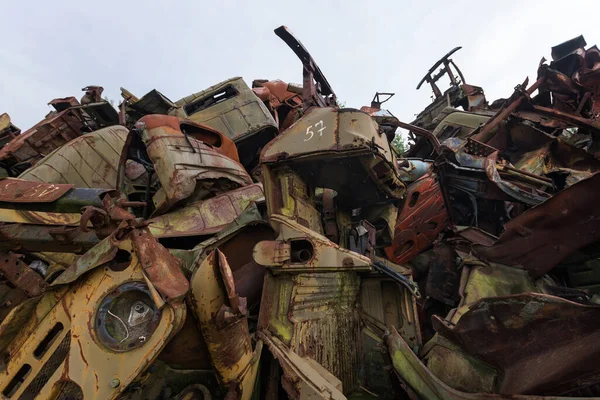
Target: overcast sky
[53,49]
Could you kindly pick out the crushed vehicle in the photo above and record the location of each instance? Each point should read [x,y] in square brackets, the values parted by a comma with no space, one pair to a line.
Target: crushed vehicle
[69,120]
[260,242]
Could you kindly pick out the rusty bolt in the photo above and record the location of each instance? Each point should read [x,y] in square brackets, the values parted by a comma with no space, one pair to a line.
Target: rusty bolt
[115,383]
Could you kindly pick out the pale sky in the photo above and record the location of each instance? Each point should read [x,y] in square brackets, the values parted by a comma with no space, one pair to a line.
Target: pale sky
[53,49]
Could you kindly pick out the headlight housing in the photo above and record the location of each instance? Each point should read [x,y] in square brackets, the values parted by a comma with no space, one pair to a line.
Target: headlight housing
[127,317]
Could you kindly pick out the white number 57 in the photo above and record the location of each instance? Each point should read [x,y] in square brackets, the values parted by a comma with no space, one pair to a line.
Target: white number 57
[309,131]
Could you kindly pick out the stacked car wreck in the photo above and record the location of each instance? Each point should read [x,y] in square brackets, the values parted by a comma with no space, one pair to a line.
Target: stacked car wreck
[263,243]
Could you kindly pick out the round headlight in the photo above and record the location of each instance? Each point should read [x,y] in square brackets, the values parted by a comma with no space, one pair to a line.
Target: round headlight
[127,317]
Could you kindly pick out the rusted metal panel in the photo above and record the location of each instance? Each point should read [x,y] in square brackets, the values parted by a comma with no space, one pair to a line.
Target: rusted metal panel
[420,383]
[297,202]
[458,123]
[521,93]
[384,303]
[313,306]
[100,254]
[561,161]
[152,102]
[17,323]
[324,140]
[327,129]
[185,165]
[21,191]
[301,377]
[222,105]
[302,250]
[470,158]
[47,135]
[236,242]
[63,103]
[19,274]
[207,217]
[39,217]
[420,220]
[480,280]
[49,198]
[284,100]
[89,161]
[232,108]
[222,317]
[312,309]
[45,238]
[161,267]
[456,368]
[69,121]
[520,334]
[543,236]
[202,133]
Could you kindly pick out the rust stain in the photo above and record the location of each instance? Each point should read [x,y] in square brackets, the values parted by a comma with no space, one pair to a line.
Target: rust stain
[20,191]
[81,353]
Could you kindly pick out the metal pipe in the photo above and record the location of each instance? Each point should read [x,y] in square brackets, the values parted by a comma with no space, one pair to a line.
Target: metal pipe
[534,181]
[485,134]
[539,177]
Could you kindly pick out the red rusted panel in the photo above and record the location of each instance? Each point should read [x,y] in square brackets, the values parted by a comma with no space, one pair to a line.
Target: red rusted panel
[163,269]
[203,133]
[422,218]
[47,135]
[62,103]
[19,274]
[279,90]
[543,236]
[20,191]
[284,104]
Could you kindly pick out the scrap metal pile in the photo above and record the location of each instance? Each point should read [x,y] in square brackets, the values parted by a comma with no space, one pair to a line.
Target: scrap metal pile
[264,243]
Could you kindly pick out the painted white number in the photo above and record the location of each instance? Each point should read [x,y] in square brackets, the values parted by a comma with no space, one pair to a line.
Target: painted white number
[309,131]
[319,126]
